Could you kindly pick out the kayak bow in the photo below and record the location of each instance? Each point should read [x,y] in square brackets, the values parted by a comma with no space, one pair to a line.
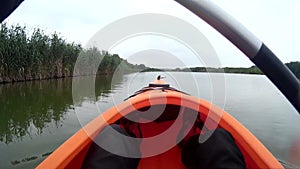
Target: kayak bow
[72,153]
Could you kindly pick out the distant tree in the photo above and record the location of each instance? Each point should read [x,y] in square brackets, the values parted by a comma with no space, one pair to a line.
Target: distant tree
[295,68]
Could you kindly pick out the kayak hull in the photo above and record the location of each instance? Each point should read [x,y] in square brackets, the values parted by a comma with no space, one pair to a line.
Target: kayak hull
[71,153]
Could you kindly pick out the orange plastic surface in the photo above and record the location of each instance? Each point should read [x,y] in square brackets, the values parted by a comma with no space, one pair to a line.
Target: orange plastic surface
[72,152]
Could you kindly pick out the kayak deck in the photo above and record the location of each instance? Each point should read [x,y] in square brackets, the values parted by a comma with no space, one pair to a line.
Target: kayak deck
[73,151]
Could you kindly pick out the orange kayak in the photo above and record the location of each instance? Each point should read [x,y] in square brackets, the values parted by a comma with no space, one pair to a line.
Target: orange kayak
[159,96]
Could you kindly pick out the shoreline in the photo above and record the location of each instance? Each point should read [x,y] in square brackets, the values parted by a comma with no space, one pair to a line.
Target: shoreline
[109,74]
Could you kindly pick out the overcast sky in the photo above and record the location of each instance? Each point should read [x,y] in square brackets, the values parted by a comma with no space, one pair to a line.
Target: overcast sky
[275,22]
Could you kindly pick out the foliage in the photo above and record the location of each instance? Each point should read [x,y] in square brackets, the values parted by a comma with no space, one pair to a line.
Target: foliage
[40,56]
[250,70]
[295,68]
[152,70]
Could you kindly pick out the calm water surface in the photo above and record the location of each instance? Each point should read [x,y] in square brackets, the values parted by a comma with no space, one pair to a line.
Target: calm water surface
[36,117]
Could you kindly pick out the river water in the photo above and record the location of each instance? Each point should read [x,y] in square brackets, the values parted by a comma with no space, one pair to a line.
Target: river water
[36,117]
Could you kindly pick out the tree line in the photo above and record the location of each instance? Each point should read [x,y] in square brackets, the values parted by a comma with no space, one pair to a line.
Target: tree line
[293,66]
[37,56]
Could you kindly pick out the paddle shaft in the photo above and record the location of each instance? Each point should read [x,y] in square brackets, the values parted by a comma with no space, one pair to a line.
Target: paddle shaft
[250,45]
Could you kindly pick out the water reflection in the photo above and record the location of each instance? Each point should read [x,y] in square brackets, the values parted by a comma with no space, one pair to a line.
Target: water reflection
[26,108]
[30,111]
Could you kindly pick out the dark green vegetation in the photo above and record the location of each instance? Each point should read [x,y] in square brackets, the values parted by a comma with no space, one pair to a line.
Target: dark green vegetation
[251,70]
[40,56]
[152,70]
[293,66]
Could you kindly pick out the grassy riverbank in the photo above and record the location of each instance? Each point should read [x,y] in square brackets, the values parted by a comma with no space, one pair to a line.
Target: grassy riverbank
[293,66]
[28,56]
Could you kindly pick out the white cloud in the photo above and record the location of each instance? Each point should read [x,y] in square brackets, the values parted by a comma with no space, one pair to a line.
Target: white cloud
[176,54]
[275,22]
